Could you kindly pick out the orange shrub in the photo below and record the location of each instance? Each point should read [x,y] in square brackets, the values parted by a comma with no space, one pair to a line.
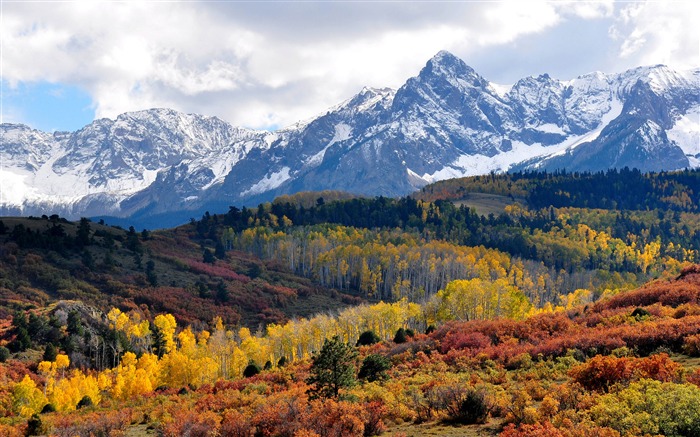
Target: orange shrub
[601,372]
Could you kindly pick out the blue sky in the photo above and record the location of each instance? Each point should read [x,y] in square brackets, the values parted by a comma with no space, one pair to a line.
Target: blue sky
[48,106]
[265,65]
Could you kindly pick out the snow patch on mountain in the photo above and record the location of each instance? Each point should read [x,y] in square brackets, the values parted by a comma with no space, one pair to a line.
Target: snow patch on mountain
[500,90]
[14,188]
[550,128]
[615,109]
[269,182]
[343,132]
[686,134]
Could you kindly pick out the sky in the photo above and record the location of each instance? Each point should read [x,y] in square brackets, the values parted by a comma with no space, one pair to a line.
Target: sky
[268,64]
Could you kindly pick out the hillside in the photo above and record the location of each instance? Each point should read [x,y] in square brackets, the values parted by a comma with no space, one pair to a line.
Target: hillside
[525,322]
[578,372]
[45,260]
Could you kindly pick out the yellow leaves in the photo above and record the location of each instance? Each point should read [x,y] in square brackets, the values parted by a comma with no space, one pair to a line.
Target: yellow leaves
[576,298]
[133,377]
[476,299]
[68,392]
[166,324]
[188,342]
[218,324]
[46,367]
[138,331]
[27,399]
[118,319]
[62,361]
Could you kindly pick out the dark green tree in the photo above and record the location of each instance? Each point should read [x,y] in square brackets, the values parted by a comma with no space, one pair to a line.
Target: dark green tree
[158,343]
[332,369]
[367,338]
[374,368]
[222,294]
[50,352]
[138,261]
[22,341]
[88,260]
[35,426]
[86,401]
[132,241]
[251,370]
[4,354]
[82,237]
[74,324]
[208,256]
[400,336]
[220,250]
[151,273]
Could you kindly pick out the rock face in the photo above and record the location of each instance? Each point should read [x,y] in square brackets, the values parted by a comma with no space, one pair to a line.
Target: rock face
[446,122]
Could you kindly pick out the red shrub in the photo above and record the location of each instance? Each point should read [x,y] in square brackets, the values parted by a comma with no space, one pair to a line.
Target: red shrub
[235,424]
[464,340]
[601,372]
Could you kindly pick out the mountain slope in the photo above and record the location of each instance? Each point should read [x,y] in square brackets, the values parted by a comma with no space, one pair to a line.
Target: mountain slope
[446,122]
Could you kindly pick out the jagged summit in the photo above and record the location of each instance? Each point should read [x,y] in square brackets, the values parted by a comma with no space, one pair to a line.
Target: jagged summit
[447,121]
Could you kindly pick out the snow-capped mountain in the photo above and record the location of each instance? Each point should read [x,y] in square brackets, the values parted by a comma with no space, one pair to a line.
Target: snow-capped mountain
[446,122]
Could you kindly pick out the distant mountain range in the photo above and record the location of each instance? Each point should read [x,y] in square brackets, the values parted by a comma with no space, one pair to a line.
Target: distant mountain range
[159,167]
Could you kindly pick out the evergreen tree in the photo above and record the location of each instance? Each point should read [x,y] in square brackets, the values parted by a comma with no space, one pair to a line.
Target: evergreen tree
[4,354]
[151,273]
[82,237]
[88,260]
[50,352]
[220,250]
[332,369]
[22,341]
[208,256]
[400,336]
[74,324]
[374,367]
[367,338]
[222,294]
[251,370]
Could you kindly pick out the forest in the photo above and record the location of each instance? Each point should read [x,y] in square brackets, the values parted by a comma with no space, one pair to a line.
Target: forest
[327,314]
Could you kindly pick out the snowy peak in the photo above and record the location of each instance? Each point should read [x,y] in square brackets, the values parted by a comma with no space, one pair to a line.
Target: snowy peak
[446,64]
[659,77]
[369,98]
[447,121]
[445,68]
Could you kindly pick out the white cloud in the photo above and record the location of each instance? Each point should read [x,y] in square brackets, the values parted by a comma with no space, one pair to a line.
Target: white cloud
[275,63]
[659,33]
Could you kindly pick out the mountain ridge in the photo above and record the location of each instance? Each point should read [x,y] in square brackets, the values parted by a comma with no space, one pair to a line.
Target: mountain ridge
[448,121]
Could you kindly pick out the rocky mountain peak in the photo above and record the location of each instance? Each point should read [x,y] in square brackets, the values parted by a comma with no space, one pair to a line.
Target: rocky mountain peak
[448,121]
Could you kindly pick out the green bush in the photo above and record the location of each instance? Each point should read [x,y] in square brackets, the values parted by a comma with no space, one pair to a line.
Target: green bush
[400,336]
[48,408]
[251,370]
[652,407]
[367,338]
[35,426]
[4,354]
[86,401]
[374,367]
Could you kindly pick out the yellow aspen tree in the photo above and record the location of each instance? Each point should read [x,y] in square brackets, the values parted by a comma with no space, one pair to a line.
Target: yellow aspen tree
[27,399]
[62,362]
[166,325]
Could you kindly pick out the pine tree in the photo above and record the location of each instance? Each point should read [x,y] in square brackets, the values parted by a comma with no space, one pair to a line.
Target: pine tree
[374,368]
[332,369]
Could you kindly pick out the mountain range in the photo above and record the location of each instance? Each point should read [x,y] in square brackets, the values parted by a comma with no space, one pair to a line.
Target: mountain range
[159,167]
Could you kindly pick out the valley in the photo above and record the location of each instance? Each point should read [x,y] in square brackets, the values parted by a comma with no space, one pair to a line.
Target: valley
[514,305]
